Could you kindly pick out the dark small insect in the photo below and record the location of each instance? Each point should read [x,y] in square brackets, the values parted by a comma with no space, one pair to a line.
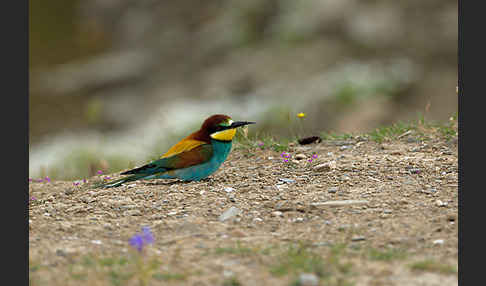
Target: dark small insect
[309,140]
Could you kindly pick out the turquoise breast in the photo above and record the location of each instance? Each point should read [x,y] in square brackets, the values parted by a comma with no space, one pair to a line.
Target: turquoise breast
[221,149]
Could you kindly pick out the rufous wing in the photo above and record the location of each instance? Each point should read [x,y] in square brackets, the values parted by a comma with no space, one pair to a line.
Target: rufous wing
[184,159]
[183,146]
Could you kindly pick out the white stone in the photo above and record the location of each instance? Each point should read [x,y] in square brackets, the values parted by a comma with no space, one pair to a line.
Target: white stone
[438,241]
[229,213]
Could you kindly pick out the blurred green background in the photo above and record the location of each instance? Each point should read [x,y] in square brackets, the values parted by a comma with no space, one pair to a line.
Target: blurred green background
[114,82]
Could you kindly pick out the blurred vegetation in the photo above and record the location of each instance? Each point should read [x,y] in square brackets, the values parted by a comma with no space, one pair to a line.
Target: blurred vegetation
[86,162]
[130,71]
[55,35]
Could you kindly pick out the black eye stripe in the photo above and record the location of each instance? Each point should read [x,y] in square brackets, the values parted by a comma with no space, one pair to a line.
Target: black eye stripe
[219,128]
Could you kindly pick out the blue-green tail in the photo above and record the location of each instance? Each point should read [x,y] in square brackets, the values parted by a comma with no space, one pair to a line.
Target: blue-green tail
[119,182]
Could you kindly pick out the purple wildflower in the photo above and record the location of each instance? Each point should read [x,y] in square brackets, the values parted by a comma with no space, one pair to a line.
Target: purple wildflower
[99,172]
[314,156]
[286,160]
[107,178]
[75,183]
[310,160]
[30,179]
[84,181]
[139,240]
[260,144]
[47,179]
[285,155]
[40,180]
[147,235]
[33,198]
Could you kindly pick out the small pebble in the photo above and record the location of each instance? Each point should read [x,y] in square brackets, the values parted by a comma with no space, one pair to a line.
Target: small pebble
[414,171]
[133,212]
[325,167]
[300,156]
[281,187]
[229,213]
[345,178]
[229,189]
[438,241]
[308,279]
[285,180]
[277,213]
[322,168]
[358,238]
[332,190]
[451,217]
[440,203]
[232,198]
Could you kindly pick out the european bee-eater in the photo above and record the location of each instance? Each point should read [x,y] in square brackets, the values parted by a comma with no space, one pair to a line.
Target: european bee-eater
[194,158]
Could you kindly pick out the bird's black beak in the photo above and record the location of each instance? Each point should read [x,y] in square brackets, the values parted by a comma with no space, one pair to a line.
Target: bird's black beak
[240,123]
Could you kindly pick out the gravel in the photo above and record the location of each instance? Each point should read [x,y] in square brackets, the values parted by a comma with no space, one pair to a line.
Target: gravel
[271,203]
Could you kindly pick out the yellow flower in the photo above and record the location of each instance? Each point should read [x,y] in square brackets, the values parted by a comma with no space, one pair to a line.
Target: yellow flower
[301,115]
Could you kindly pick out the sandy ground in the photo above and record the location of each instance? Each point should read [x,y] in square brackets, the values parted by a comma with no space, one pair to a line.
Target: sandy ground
[398,199]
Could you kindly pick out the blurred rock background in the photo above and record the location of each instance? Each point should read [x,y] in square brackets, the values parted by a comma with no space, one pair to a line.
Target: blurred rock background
[114,82]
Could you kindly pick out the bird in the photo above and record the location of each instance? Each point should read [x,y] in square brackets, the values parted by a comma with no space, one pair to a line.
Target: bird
[193,158]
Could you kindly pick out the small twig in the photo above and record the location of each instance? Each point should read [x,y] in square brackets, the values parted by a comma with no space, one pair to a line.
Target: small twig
[339,203]
[404,134]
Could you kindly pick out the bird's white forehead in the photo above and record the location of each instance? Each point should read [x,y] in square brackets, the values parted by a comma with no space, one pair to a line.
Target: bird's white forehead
[226,122]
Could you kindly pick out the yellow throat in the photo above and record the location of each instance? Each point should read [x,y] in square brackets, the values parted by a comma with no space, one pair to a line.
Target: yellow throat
[225,135]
